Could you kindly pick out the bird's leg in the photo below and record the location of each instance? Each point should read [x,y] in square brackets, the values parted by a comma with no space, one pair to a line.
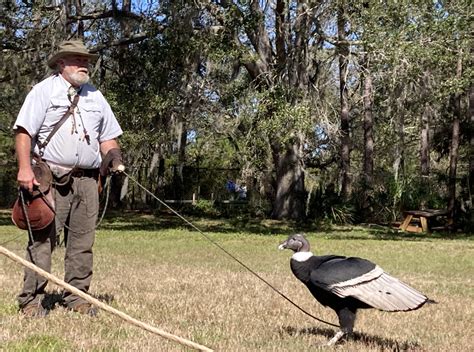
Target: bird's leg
[336,338]
[346,321]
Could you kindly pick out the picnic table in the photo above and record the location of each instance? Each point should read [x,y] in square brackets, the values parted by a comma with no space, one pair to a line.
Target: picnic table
[414,218]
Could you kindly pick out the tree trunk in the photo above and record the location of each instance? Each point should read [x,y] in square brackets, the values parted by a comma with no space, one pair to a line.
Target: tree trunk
[181,134]
[68,11]
[344,100]
[453,155]
[290,191]
[425,141]
[80,24]
[425,130]
[368,172]
[292,61]
[470,179]
[471,150]
[290,194]
[125,30]
[399,147]
[156,170]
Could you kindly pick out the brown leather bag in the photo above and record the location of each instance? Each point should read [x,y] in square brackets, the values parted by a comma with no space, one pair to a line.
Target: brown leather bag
[36,207]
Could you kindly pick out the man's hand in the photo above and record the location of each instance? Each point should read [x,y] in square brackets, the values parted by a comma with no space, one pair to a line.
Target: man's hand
[117,166]
[26,179]
[112,162]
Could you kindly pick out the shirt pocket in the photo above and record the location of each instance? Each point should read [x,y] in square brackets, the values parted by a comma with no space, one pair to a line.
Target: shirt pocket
[92,111]
[90,108]
[58,102]
[92,116]
[58,106]
[56,110]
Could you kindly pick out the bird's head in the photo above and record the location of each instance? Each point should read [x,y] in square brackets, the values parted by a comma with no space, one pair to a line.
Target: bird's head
[296,242]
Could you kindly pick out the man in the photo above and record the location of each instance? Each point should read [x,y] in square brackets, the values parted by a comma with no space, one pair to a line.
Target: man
[74,156]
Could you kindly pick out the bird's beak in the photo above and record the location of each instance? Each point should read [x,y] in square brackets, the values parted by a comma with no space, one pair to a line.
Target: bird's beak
[282,245]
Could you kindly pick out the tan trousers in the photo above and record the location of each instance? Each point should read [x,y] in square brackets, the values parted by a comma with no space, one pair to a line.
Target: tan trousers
[77,206]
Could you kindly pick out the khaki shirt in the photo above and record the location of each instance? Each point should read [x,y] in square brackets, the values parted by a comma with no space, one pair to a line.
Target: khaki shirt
[47,103]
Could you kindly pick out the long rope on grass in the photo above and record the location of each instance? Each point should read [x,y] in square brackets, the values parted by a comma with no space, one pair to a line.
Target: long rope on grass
[227,252]
[100,304]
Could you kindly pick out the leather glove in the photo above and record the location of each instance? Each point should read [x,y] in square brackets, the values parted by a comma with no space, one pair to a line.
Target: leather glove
[112,162]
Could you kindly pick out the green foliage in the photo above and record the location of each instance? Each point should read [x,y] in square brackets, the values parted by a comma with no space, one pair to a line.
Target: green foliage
[191,76]
[281,114]
[327,206]
[206,207]
[8,184]
[416,193]
[341,214]
[202,207]
[407,193]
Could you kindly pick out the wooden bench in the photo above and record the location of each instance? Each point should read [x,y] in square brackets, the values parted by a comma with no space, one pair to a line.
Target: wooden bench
[412,218]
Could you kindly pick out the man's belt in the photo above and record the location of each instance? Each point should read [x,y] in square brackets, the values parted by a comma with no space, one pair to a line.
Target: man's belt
[77,172]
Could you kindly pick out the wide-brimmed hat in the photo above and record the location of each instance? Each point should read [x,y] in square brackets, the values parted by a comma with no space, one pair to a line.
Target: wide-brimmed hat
[70,47]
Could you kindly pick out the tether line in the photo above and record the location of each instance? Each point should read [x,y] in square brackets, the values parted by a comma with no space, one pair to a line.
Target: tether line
[226,252]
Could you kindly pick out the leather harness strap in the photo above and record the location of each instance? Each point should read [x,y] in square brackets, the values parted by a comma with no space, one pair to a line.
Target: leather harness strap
[68,113]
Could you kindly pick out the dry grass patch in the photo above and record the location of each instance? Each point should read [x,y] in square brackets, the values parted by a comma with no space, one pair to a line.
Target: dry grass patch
[174,279]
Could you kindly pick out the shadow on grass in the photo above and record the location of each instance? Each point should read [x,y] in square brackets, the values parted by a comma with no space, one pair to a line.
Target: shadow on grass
[147,221]
[135,221]
[382,343]
[54,299]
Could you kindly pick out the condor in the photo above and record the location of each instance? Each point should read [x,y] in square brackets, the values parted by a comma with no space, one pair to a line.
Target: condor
[346,284]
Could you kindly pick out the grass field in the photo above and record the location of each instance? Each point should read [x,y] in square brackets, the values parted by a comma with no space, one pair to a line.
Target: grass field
[161,272]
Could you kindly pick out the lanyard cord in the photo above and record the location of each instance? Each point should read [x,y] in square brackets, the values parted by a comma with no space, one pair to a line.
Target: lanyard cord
[30,231]
[71,93]
[25,213]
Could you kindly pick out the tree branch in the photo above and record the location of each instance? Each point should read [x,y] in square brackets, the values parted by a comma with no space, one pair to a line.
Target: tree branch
[106,14]
[135,38]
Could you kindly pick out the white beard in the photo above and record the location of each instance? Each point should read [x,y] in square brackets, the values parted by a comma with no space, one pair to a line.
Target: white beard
[79,78]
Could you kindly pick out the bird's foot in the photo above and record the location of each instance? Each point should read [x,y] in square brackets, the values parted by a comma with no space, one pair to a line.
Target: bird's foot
[336,338]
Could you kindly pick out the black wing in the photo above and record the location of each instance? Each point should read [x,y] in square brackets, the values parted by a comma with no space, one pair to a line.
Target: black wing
[335,269]
[362,279]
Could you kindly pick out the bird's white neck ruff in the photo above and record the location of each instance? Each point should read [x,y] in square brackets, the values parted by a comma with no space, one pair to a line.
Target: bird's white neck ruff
[302,256]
